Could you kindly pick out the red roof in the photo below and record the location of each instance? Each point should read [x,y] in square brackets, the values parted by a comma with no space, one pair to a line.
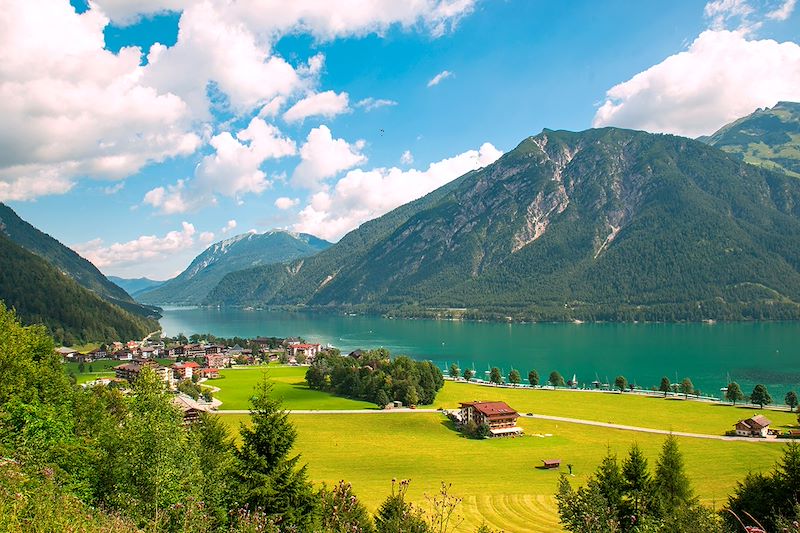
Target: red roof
[492,409]
[304,346]
[208,370]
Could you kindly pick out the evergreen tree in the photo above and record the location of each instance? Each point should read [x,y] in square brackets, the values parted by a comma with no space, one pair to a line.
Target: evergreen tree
[638,483]
[760,395]
[513,377]
[533,378]
[268,477]
[734,392]
[495,376]
[790,399]
[621,383]
[672,486]
[609,480]
[665,386]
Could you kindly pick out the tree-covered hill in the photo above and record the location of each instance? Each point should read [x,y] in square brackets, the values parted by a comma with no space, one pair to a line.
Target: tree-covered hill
[73,314]
[237,253]
[605,224]
[768,137]
[68,261]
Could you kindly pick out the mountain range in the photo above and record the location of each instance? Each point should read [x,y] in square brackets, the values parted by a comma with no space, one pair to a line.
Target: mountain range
[134,286]
[768,137]
[604,224]
[237,253]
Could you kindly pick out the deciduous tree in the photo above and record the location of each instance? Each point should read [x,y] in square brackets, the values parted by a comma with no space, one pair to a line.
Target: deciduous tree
[791,400]
[454,371]
[495,376]
[556,379]
[533,378]
[665,386]
[513,377]
[734,392]
[760,395]
[621,383]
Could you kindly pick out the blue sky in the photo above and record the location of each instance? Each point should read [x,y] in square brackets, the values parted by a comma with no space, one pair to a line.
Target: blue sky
[149,168]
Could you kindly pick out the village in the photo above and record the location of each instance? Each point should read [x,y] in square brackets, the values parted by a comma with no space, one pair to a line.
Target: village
[183,367]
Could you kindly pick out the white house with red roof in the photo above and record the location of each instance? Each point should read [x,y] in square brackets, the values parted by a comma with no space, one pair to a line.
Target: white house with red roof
[310,351]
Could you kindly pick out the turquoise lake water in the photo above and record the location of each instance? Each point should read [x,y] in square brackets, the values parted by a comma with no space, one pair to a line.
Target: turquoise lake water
[749,353]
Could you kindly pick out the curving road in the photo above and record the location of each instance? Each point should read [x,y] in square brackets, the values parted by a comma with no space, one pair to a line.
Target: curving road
[534,416]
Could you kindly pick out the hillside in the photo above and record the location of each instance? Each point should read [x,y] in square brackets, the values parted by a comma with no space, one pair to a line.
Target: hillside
[237,253]
[605,224]
[43,295]
[68,261]
[767,137]
[136,285]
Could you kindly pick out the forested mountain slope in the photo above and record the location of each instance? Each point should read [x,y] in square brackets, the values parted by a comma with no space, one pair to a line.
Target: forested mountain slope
[237,253]
[67,261]
[767,137]
[602,224]
[41,294]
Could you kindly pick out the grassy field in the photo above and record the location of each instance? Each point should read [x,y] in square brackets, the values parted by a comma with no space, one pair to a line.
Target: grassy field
[497,478]
[629,409]
[236,387]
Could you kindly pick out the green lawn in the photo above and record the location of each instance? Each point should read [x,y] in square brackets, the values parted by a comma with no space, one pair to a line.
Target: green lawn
[629,409]
[236,387]
[497,478]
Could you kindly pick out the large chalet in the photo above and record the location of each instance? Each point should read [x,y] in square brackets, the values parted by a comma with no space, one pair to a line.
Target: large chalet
[756,426]
[501,419]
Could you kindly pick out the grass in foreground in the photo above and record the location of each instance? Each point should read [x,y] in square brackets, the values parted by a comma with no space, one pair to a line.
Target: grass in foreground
[236,387]
[498,479]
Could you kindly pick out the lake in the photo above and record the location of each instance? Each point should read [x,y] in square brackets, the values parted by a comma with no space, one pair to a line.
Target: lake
[750,353]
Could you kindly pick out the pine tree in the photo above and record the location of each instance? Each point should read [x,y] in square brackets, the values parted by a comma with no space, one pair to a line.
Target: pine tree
[638,482]
[672,486]
[268,478]
[610,481]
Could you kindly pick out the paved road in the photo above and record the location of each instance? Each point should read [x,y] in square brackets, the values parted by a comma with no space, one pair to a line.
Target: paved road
[535,416]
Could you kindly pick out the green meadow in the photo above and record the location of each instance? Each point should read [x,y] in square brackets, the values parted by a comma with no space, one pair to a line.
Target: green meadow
[498,478]
[236,388]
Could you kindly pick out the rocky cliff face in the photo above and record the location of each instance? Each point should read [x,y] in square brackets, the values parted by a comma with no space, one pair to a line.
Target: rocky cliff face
[599,221]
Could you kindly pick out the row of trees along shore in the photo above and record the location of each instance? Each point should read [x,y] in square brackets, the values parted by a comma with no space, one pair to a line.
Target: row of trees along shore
[733,393]
[632,498]
[95,460]
[375,377]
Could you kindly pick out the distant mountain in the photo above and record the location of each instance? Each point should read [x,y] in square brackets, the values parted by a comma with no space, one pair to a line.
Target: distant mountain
[241,252]
[768,138]
[41,294]
[605,224]
[67,261]
[136,285]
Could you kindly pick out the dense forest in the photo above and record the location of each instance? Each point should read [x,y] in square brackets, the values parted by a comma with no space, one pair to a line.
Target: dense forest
[65,260]
[605,224]
[376,378]
[40,294]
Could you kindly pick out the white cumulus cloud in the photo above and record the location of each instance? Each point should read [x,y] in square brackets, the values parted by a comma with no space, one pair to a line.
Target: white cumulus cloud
[722,76]
[231,225]
[233,170]
[144,248]
[362,195]
[71,108]
[323,157]
[436,80]
[326,104]
[283,203]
